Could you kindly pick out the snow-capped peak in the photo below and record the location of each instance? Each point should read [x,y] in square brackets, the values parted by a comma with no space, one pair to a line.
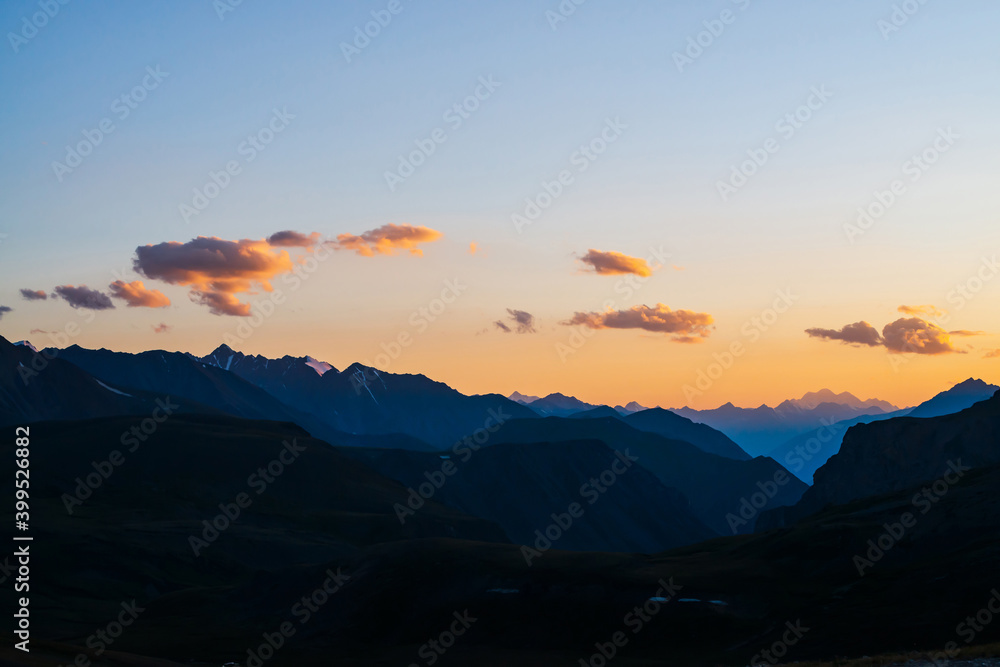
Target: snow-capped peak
[320,367]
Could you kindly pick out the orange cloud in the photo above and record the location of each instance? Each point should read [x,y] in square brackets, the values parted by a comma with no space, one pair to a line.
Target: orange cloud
[912,334]
[290,239]
[905,335]
[34,295]
[930,311]
[137,296]
[472,248]
[967,333]
[215,269]
[162,328]
[388,239]
[615,263]
[859,333]
[992,354]
[686,326]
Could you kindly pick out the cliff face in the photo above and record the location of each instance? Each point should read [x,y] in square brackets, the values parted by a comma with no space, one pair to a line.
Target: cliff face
[898,454]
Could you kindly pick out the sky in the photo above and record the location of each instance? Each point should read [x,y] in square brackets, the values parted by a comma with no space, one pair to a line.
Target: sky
[678,203]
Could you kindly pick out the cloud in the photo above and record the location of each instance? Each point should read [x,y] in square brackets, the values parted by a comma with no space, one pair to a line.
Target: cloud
[388,239]
[521,322]
[992,354]
[930,311]
[161,328]
[34,295]
[967,333]
[84,297]
[685,326]
[137,296]
[859,333]
[615,263]
[40,331]
[473,247]
[912,334]
[905,335]
[4,309]
[290,239]
[215,269]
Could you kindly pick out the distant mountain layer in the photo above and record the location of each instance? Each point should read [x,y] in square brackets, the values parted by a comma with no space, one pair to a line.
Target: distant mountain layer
[759,430]
[806,452]
[896,454]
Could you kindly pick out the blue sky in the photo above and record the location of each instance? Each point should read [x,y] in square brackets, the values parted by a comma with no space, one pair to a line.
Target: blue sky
[656,186]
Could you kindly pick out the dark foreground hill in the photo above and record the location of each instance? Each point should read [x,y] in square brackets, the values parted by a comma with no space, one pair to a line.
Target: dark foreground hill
[323,534]
[717,487]
[622,506]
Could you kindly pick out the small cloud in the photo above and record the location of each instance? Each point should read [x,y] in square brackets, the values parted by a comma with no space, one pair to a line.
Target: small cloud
[290,239]
[137,296]
[472,248]
[161,328]
[915,335]
[521,322]
[992,354]
[5,309]
[84,297]
[684,326]
[388,239]
[930,311]
[41,331]
[615,264]
[859,333]
[34,295]
[967,333]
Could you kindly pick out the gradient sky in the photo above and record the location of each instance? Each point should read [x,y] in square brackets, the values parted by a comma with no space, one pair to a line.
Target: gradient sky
[654,187]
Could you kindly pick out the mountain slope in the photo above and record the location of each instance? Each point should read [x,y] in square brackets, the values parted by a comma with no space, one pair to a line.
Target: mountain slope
[714,485]
[958,398]
[363,400]
[888,456]
[676,427]
[519,487]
